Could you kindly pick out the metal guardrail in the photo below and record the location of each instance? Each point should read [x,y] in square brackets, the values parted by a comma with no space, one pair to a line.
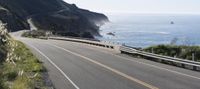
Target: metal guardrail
[76,38]
[104,44]
[183,62]
[131,50]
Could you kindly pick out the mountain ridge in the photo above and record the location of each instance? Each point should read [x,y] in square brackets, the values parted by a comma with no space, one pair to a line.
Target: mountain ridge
[52,15]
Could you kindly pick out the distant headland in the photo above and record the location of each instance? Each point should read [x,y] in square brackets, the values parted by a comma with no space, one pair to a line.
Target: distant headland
[51,15]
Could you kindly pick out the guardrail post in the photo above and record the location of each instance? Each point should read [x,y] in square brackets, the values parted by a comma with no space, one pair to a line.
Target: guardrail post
[152,51]
[193,57]
[183,65]
[194,68]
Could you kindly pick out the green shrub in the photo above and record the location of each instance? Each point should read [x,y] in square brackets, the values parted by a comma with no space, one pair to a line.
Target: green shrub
[3,53]
[34,34]
[184,52]
[12,75]
[22,83]
[2,86]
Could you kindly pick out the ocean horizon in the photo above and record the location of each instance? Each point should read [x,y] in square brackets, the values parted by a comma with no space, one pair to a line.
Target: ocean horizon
[143,30]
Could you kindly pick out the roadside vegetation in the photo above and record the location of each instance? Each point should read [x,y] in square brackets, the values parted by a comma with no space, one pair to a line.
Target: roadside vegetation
[184,52]
[19,68]
[34,34]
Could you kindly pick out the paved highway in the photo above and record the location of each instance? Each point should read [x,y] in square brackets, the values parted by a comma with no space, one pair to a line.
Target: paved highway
[80,66]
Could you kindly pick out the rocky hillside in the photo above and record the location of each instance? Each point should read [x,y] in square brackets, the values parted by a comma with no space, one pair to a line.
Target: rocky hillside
[54,15]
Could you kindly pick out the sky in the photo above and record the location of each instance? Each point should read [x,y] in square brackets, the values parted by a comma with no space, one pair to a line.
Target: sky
[140,6]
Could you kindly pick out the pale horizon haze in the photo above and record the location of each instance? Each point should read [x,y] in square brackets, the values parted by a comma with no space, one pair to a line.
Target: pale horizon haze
[140,6]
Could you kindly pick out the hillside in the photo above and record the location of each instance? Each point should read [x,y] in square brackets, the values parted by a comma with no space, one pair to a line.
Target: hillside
[54,15]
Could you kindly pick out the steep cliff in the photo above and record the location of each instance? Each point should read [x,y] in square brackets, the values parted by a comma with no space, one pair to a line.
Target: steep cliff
[54,15]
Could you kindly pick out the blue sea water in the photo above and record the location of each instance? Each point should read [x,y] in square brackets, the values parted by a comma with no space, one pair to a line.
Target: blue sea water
[143,30]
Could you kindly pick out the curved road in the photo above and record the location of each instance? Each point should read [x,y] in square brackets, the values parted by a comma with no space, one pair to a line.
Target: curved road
[80,66]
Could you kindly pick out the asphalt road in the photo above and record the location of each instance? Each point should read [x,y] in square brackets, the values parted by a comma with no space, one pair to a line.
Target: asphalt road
[80,66]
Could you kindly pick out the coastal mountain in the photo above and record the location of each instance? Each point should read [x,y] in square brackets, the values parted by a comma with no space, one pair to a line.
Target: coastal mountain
[51,15]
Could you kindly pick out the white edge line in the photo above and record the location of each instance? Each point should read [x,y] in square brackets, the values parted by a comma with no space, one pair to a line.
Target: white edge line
[56,67]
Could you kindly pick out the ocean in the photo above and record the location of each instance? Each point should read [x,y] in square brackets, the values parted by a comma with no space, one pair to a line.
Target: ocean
[143,30]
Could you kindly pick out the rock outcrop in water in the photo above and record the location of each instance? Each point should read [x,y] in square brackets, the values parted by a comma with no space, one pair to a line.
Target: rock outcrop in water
[54,15]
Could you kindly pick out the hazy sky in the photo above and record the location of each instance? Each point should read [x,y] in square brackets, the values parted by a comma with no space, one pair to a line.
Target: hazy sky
[140,6]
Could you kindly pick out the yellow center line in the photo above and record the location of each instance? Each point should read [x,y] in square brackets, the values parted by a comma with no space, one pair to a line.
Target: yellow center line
[111,69]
